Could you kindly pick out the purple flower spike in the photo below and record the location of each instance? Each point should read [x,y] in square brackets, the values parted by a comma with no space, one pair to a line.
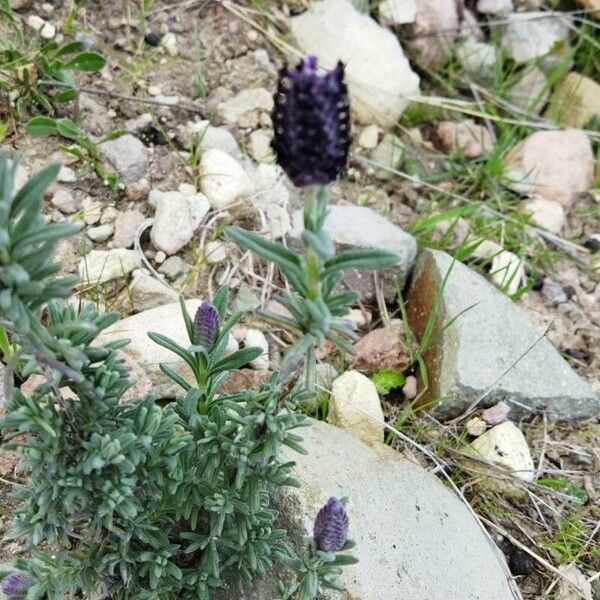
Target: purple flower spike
[331,526]
[311,119]
[206,324]
[16,584]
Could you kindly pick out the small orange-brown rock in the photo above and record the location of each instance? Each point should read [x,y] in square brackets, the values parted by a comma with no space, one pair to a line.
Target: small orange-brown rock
[382,348]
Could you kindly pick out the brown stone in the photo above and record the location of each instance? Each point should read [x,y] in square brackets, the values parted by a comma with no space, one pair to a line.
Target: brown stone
[465,137]
[382,348]
[244,379]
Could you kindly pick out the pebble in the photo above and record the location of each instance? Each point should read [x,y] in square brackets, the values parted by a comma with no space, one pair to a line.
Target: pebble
[92,210]
[575,101]
[207,137]
[65,202]
[148,292]
[257,338]
[495,7]
[397,12]
[224,181]
[554,293]
[137,191]
[242,110]
[575,577]
[100,233]
[160,257]
[508,271]
[100,266]
[260,146]
[46,29]
[382,348]
[494,415]
[388,155]
[173,267]
[126,226]
[216,252]
[410,388]
[476,426]
[128,156]
[531,91]
[109,215]
[66,175]
[169,43]
[478,59]
[465,137]
[548,214]
[272,197]
[355,407]
[369,137]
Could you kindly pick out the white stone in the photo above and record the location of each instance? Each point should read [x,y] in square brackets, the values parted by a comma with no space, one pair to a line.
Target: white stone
[65,202]
[271,197]
[234,109]
[478,59]
[66,175]
[100,233]
[476,426]
[21,177]
[531,91]
[92,210]
[169,43]
[574,579]
[207,137]
[126,225]
[359,318]
[354,406]
[397,12]
[508,271]
[495,7]
[255,337]
[128,155]
[46,29]
[388,156]
[369,137]
[216,252]
[260,146]
[176,219]
[505,446]
[148,292]
[530,35]
[379,76]
[100,266]
[548,214]
[224,181]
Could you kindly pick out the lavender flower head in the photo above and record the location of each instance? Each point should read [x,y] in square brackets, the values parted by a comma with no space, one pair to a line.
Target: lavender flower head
[311,120]
[206,324]
[331,526]
[16,584]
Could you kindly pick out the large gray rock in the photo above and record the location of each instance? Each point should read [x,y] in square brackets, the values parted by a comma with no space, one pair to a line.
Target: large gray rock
[379,76]
[362,227]
[491,333]
[127,155]
[415,540]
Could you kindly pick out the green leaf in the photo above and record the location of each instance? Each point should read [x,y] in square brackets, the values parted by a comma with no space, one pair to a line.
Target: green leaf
[69,49]
[68,128]
[165,342]
[364,258]
[386,380]
[41,126]
[566,487]
[236,360]
[86,61]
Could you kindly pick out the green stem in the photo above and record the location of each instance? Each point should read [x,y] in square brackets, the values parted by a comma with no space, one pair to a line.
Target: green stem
[311,369]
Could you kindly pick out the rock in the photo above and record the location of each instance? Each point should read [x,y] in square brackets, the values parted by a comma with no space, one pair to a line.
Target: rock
[369,137]
[548,214]
[173,267]
[490,334]
[333,30]
[109,215]
[92,211]
[554,293]
[478,59]
[495,7]
[142,384]
[244,379]
[362,227]
[530,35]
[94,115]
[224,181]
[552,164]
[169,43]
[242,110]
[65,202]
[47,30]
[433,34]
[575,101]
[496,414]
[395,554]
[410,388]
[354,406]
[126,225]
[475,427]
[207,137]
[257,338]
[139,124]
[531,91]
[216,252]
[260,146]
[505,446]
[127,155]
[66,175]
[100,233]
[508,272]
[575,578]
[137,191]
[246,299]
[359,318]
[382,348]
[397,12]
[592,5]
[148,292]
[176,219]
[100,266]
[465,137]
[388,155]
[271,196]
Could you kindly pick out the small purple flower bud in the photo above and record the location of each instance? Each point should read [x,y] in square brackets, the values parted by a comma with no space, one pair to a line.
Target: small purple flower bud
[331,526]
[206,324]
[311,121]
[16,584]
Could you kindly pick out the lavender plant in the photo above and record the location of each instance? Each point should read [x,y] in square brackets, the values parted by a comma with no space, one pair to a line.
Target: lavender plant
[312,135]
[133,499]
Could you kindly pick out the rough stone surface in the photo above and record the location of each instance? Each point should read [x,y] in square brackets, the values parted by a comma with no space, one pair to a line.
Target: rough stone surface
[505,446]
[495,7]
[65,202]
[260,146]
[478,59]
[531,91]
[173,267]
[467,137]
[127,155]
[433,16]
[126,226]
[530,35]
[224,181]
[236,109]
[382,348]
[176,219]
[415,540]
[100,266]
[148,292]
[575,101]
[333,30]
[206,137]
[354,406]
[369,137]
[546,213]
[255,337]
[397,12]
[552,164]
[271,196]
[483,342]
[100,233]
[362,227]
[507,271]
